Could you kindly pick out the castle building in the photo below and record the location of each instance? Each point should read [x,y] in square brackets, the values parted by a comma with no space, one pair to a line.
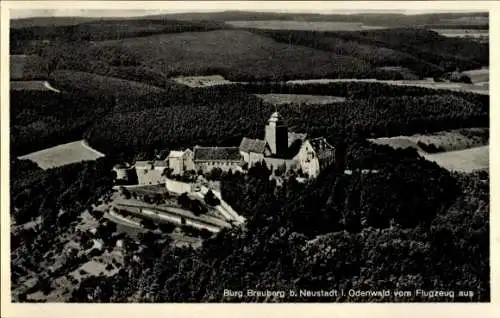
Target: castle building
[180,161]
[123,172]
[225,158]
[280,149]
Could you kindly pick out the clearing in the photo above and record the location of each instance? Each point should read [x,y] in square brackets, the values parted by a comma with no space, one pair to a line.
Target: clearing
[283,99]
[302,25]
[471,88]
[466,160]
[462,33]
[458,139]
[479,76]
[202,81]
[64,154]
[32,86]
[464,150]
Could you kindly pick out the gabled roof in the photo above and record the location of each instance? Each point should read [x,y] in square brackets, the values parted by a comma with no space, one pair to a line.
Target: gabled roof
[320,145]
[143,164]
[217,153]
[175,154]
[252,145]
[160,163]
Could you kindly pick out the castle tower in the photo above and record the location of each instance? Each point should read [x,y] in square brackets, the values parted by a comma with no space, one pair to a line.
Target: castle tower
[276,135]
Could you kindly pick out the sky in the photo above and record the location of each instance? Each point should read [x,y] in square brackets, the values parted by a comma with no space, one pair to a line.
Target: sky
[23,9]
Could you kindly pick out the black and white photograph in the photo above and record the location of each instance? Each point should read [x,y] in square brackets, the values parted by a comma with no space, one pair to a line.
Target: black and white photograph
[247,154]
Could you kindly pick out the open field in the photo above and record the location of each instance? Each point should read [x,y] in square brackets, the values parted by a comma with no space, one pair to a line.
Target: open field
[478,76]
[43,86]
[477,89]
[202,81]
[63,155]
[466,160]
[462,33]
[446,140]
[302,25]
[281,99]
[464,150]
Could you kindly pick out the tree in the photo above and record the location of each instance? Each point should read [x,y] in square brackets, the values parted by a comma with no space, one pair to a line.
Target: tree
[211,199]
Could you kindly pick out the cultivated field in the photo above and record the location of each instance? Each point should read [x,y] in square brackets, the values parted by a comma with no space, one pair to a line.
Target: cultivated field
[282,99]
[302,25]
[32,86]
[63,155]
[479,76]
[466,160]
[463,150]
[462,33]
[458,139]
[477,89]
[202,81]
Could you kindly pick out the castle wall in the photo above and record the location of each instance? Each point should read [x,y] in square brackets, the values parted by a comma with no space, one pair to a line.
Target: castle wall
[207,166]
[150,176]
[176,164]
[177,186]
[274,163]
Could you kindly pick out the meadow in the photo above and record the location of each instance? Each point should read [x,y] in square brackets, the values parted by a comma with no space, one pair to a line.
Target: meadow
[463,150]
[466,160]
[63,155]
[302,25]
[29,86]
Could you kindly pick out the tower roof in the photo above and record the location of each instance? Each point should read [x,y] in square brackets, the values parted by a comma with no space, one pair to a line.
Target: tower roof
[275,118]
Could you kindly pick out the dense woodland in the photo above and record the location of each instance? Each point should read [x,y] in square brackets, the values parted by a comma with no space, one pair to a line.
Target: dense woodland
[424,52]
[453,20]
[360,226]
[123,118]
[122,48]
[409,224]
[99,30]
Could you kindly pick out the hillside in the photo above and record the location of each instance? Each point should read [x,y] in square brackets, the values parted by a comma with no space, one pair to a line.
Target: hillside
[384,19]
[230,116]
[23,38]
[27,67]
[235,54]
[424,52]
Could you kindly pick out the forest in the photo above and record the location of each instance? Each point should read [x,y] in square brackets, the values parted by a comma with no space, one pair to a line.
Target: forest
[407,224]
[423,51]
[123,118]
[123,49]
[330,244]
[99,30]
[235,116]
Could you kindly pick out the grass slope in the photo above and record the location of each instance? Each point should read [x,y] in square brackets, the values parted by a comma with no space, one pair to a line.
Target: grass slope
[62,155]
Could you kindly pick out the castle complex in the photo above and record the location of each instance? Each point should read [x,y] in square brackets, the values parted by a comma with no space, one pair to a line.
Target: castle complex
[280,149]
